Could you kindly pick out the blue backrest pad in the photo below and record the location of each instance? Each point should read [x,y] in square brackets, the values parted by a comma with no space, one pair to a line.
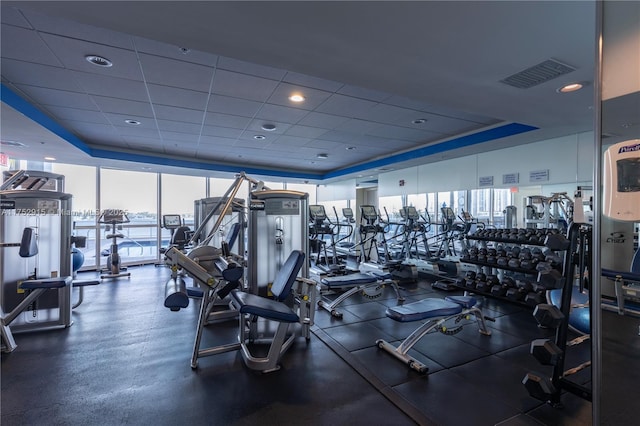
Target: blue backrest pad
[286,276]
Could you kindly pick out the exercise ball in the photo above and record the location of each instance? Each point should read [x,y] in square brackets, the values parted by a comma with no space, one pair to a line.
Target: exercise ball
[78,259]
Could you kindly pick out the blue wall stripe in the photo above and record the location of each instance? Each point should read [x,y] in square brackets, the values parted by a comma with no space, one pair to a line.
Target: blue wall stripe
[20,104]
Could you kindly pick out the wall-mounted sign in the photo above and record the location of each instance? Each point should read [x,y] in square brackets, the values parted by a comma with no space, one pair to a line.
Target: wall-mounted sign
[510,178]
[485,181]
[539,176]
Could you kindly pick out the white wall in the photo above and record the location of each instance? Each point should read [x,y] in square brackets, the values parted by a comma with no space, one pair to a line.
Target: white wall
[568,159]
[344,190]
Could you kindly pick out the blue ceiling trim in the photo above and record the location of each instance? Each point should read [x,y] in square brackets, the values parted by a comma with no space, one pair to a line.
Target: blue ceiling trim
[20,104]
[455,143]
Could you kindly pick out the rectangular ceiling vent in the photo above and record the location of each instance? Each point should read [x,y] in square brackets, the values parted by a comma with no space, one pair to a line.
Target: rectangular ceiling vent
[537,74]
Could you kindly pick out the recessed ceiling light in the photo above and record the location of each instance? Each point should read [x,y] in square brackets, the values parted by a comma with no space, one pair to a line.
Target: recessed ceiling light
[184,50]
[269,127]
[350,148]
[296,97]
[132,122]
[50,158]
[572,87]
[259,137]
[419,121]
[322,156]
[100,61]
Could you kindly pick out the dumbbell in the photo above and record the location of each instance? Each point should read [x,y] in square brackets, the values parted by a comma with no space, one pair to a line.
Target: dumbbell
[537,296]
[487,285]
[539,387]
[545,351]
[551,279]
[548,316]
[501,289]
[519,292]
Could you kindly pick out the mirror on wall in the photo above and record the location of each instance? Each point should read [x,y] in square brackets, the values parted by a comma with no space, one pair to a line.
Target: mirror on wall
[620,214]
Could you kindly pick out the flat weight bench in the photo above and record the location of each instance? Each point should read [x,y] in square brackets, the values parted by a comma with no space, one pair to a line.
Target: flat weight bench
[437,312]
[370,284]
[36,288]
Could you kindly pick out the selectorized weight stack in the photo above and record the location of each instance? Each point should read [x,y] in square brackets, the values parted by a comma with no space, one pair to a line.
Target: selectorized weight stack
[278,224]
[34,200]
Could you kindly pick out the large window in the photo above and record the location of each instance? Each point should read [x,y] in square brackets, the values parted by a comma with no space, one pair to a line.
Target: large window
[135,193]
[178,194]
[80,181]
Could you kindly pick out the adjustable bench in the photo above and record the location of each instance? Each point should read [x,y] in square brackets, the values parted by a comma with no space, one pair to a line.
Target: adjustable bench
[437,312]
[370,284]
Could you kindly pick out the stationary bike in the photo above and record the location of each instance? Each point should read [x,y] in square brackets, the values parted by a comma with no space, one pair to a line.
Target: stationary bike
[115,218]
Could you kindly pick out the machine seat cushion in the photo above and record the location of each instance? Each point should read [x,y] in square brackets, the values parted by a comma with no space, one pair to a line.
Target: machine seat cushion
[627,276]
[383,276]
[423,309]
[349,280]
[57,282]
[466,302]
[263,307]
[114,235]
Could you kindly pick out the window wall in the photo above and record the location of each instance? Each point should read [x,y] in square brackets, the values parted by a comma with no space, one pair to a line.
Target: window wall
[136,194]
[177,196]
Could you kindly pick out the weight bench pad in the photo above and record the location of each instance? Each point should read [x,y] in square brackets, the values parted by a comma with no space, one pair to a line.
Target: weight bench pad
[466,302]
[348,280]
[58,282]
[423,309]
[264,308]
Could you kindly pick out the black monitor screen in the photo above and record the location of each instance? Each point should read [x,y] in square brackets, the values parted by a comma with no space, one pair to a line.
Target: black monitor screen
[317,212]
[412,213]
[628,175]
[347,212]
[171,221]
[369,212]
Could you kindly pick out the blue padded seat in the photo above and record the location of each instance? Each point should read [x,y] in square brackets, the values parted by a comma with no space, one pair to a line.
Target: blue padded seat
[58,282]
[381,275]
[281,287]
[265,308]
[349,280]
[466,302]
[423,309]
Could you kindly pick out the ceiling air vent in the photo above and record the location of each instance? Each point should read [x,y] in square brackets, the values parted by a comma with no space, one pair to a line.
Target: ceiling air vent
[13,143]
[544,71]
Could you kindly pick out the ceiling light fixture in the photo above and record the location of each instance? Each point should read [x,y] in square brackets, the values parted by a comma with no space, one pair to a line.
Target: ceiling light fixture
[132,122]
[50,158]
[268,127]
[419,121]
[259,137]
[322,156]
[572,87]
[100,61]
[296,97]
[350,148]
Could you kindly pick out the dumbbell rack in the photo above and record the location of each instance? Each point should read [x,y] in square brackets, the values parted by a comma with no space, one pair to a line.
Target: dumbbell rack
[553,352]
[527,292]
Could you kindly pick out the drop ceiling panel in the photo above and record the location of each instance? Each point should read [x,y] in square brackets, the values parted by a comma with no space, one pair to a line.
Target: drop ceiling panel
[396,132]
[233,106]
[358,126]
[74,114]
[281,113]
[243,67]
[102,85]
[324,121]
[72,52]
[305,131]
[149,132]
[170,72]
[218,141]
[179,137]
[215,119]
[225,132]
[165,112]
[417,105]
[13,16]
[64,98]
[29,49]
[242,86]
[122,106]
[292,141]
[118,120]
[174,96]
[179,126]
[338,136]
[20,72]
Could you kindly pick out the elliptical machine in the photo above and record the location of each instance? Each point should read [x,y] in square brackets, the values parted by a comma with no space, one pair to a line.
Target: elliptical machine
[114,220]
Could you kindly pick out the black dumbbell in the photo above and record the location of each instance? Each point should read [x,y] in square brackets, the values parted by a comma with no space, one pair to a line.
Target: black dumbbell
[548,315]
[539,387]
[545,351]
